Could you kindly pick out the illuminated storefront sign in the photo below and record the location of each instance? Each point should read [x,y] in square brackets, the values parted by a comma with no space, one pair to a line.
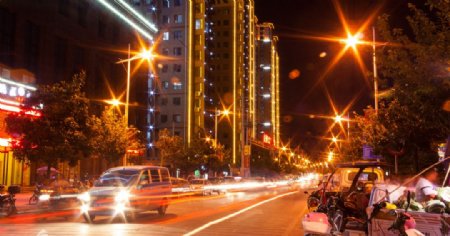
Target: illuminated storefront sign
[14,89]
[12,95]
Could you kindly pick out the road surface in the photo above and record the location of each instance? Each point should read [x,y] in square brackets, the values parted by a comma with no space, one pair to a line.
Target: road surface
[275,211]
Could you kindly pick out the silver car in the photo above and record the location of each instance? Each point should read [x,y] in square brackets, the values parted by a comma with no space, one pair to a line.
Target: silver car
[126,191]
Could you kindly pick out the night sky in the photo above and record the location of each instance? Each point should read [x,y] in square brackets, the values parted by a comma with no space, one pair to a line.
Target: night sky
[295,19]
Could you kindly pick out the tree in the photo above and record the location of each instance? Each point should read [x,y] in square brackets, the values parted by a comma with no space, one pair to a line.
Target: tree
[110,137]
[60,134]
[171,147]
[415,64]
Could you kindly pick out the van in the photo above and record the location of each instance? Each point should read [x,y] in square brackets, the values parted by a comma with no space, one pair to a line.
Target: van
[126,191]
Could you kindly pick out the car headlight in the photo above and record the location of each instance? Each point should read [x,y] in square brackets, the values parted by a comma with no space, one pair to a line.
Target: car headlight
[122,196]
[44,197]
[84,208]
[85,197]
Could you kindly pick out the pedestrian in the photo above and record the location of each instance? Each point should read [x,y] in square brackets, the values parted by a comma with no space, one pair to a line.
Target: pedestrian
[425,187]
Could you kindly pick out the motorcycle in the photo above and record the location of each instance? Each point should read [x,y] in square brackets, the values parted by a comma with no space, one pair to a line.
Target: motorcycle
[8,201]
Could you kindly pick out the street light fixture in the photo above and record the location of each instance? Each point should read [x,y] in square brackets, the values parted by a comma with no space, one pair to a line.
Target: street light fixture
[338,119]
[352,41]
[330,156]
[114,102]
[145,54]
[218,113]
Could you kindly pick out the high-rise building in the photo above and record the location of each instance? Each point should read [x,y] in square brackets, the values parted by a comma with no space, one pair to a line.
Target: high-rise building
[267,109]
[208,63]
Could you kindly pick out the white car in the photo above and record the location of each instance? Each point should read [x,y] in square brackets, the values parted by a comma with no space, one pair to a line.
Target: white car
[125,191]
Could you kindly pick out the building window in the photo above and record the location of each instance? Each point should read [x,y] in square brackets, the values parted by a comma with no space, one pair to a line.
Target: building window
[165,36]
[177,35]
[165,20]
[163,118]
[165,51]
[177,133]
[226,22]
[176,101]
[163,101]
[198,39]
[176,68]
[166,3]
[177,19]
[177,85]
[166,84]
[177,3]
[225,55]
[198,24]
[177,51]
[177,118]
[225,44]
[164,68]
[225,33]
[198,71]
[198,8]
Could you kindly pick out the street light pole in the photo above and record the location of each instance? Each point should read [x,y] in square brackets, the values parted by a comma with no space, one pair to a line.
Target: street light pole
[375,74]
[215,127]
[128,85]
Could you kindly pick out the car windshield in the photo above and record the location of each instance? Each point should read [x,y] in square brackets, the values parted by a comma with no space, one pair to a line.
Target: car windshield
[117,178]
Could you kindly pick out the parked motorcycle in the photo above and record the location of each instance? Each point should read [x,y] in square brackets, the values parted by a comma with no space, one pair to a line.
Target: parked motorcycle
[8,201]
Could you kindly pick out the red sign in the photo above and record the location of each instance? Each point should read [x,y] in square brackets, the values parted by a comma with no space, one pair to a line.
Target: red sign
[267,139]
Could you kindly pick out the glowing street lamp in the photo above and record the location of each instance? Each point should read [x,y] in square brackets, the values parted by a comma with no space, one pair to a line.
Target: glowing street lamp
[218,113]
[145,54]
[330,156]
[334,139]
[352,41]
[338,119]
[114,102]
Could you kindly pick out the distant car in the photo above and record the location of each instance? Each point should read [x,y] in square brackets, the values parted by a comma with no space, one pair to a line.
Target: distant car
[201,186]
[217,185]
[126,191]
[180,186]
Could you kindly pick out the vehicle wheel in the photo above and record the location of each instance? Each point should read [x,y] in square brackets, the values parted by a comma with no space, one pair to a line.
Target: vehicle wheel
[33,200]
[163,208]
[89,218]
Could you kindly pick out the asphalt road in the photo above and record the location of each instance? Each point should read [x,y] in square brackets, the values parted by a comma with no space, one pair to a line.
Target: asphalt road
[275,211]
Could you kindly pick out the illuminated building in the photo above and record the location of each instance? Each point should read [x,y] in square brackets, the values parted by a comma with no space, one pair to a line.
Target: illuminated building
[267,108]
[209,50]
[64,37]
[15,86]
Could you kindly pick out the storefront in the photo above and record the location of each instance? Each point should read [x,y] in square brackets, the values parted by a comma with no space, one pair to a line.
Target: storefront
[14,88]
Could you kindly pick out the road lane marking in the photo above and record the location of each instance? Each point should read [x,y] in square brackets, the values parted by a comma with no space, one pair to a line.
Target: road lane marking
[209,224]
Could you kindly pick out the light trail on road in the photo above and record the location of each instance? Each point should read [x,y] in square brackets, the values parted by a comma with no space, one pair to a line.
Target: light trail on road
[209,224]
